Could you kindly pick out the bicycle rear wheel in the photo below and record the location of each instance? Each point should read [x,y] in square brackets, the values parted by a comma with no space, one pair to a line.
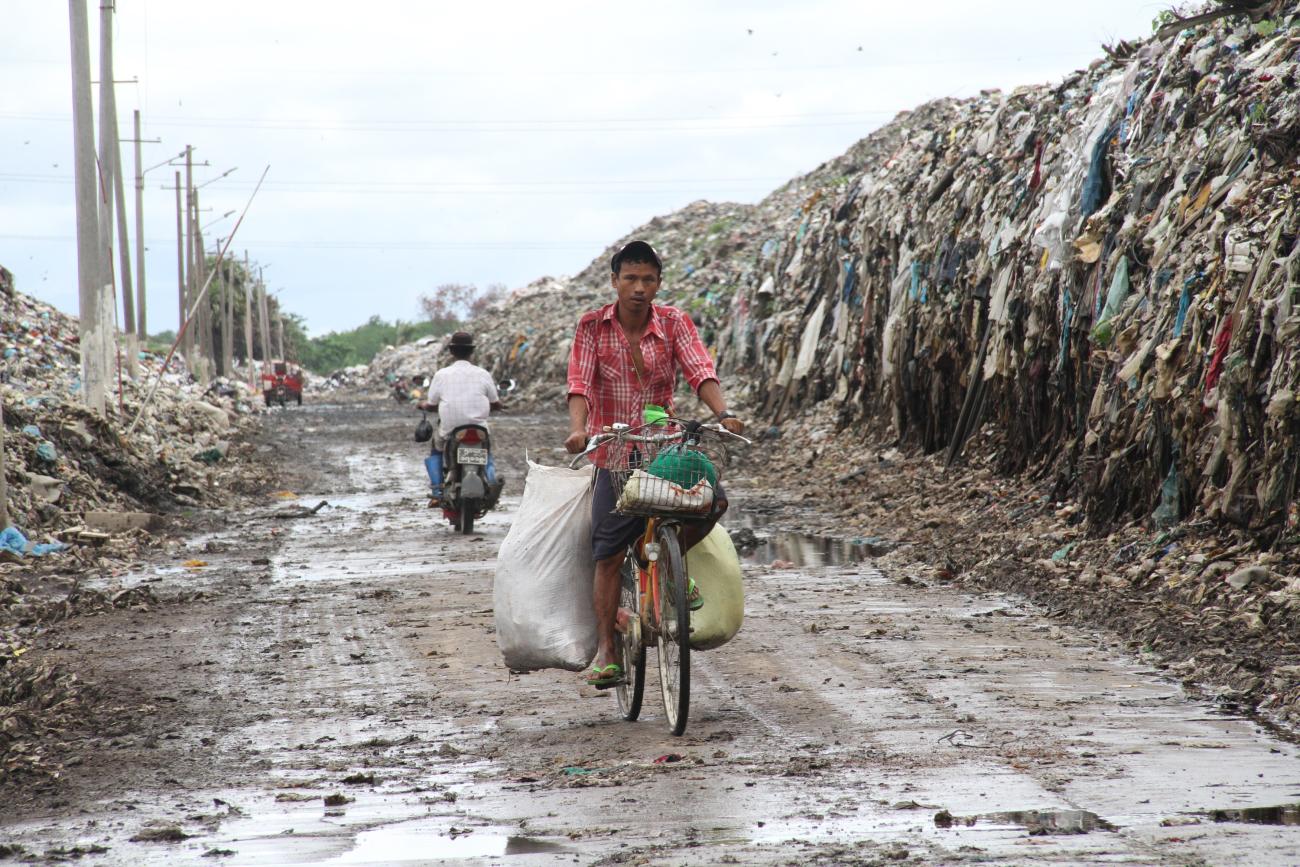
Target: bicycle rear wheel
[630,649]
[674,629]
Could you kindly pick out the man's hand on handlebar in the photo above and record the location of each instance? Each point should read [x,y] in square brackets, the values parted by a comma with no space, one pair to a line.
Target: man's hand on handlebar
[576,442]
[733,425]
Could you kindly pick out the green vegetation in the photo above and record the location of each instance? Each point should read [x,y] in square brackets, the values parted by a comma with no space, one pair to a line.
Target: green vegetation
[338,349]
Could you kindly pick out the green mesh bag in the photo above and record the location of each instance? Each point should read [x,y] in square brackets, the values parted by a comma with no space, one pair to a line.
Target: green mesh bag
[683,467]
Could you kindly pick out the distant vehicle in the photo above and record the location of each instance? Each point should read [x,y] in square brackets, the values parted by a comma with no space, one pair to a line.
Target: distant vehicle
[282,383]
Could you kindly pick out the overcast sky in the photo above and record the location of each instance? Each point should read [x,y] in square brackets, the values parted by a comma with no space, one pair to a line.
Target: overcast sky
[418,143]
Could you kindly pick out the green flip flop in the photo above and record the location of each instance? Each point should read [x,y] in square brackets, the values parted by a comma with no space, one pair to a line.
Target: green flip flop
[605,676]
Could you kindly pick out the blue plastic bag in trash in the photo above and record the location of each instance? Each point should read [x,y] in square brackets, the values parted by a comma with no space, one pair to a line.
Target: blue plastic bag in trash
[12,539]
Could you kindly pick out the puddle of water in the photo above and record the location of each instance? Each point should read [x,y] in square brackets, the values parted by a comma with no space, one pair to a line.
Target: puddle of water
[1286,814]
[1036,822]
[386,845]
[800,549]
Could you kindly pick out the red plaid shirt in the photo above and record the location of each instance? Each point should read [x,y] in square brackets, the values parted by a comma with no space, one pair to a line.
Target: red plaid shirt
[601,369]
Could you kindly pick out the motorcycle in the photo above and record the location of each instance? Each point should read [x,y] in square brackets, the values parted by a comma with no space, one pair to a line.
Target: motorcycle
[470,486]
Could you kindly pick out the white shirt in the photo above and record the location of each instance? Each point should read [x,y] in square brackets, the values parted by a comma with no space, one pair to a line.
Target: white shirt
[464,394]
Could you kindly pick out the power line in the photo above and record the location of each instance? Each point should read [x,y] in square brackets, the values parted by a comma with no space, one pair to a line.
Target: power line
[556,189]
[640,126]
[375,244]
[452,185]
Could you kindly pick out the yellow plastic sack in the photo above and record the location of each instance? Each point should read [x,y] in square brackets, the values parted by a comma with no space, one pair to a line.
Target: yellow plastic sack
[714,565]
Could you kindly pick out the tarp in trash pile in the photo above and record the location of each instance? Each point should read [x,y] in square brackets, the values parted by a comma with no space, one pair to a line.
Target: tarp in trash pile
[1104,270]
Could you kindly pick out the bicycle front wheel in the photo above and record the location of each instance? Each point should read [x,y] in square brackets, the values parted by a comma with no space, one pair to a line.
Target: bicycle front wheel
[673,629]
[629,647]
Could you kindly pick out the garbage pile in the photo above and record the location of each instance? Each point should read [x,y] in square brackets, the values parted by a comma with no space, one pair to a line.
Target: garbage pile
[82,493]
[1103,270]
[1217,610]
[1083,294]
[408,361]
[708,252]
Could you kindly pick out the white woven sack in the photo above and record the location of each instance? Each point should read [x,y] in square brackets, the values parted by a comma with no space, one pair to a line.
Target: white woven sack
[542,594]
[644,492]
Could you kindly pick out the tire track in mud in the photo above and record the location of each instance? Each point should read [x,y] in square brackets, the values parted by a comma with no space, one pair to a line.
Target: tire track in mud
[853,707]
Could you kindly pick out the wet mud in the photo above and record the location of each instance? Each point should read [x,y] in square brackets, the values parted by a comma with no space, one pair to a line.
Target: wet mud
[326,689]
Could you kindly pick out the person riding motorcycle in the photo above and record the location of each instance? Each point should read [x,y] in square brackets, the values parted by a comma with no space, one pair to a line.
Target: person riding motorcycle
[460,393]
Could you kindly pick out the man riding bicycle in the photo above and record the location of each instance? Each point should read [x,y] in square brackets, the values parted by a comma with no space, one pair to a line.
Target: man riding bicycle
[626,355]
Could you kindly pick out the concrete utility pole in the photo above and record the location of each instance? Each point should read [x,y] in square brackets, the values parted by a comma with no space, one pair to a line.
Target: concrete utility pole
[94,374]
[227,318]
[248,324]
[279,332]
[264,318]
[180,266]
[107,170]
[124,258]
[203,318]
[141,321]
[190,356]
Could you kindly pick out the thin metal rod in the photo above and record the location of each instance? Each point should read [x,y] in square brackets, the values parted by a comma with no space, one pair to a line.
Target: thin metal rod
[194,309]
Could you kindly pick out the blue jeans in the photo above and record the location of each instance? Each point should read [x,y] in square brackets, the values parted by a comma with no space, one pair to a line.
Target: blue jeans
[433,466]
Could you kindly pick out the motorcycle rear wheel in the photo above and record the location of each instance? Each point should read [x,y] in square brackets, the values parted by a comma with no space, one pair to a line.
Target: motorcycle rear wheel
[466,522]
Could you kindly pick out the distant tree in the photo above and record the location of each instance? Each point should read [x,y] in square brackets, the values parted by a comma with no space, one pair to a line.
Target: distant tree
[453,304]
[491,295]
[449,303]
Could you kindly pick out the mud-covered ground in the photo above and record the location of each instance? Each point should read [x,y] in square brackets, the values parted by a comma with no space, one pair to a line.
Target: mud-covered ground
[327,689]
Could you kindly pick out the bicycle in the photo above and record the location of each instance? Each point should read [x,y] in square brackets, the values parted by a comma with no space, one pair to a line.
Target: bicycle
[666,476]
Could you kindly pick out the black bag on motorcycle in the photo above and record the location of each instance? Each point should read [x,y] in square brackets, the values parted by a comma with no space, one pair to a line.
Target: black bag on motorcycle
[423,430]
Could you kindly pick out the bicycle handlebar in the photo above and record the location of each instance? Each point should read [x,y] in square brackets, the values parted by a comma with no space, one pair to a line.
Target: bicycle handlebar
[600,439]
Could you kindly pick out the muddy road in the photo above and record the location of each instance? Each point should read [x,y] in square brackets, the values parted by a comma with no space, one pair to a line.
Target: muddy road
[328,690]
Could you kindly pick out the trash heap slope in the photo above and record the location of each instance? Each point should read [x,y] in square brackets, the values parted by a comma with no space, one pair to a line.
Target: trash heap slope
[62,460]
[1101,273]
[70,475]
[709,252]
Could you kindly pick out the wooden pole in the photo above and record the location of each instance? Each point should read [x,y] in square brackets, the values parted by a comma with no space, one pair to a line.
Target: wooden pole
[94,374]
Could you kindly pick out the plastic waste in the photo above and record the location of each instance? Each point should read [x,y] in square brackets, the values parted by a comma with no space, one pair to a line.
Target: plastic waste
[654,414]
[683,466]
[715,566]
[542,593]
[13,540]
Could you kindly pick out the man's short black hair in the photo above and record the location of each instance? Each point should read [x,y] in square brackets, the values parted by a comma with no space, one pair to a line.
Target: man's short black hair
[460,352]
[636,253]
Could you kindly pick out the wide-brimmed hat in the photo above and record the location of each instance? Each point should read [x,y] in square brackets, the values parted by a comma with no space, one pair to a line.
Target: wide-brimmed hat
[462,338]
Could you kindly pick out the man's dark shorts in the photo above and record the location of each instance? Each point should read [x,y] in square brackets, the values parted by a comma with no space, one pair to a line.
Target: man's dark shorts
[611,533]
